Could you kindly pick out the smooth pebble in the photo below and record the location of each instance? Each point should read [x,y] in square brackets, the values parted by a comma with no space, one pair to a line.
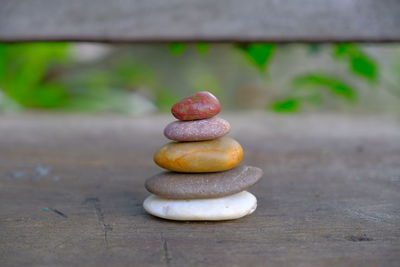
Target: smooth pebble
[203,185]
[213,209]
[201,105]
[220,154]
[198,130]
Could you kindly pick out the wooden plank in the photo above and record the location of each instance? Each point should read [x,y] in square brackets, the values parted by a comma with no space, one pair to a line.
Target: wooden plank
[71,189]
[206,20]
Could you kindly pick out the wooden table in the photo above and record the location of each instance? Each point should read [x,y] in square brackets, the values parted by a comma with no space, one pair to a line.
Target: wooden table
[71,192]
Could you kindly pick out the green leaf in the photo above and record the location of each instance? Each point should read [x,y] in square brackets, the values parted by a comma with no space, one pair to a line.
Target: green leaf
[336,86]
[202,48]
[288,105]
[25,68]
[259,53]
[359,62]
[177,48]
[364,67]
[48,96]
[3,54]
[340,50]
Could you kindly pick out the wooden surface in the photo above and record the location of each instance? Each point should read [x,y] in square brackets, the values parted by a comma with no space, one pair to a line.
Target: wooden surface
[71,192]
[205,20]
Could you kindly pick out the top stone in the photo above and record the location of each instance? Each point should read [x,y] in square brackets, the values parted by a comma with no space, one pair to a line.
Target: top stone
[201,105]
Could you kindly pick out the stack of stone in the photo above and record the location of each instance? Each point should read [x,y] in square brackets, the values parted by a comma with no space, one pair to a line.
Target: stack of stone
[205,181]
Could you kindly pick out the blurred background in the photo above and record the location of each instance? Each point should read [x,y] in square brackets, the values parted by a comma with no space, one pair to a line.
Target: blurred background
[140,78]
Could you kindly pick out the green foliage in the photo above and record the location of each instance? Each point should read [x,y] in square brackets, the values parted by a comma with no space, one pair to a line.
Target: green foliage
[202,48]
[307,88]
[27,73]
[335,86]
[259,53]
[177,48]
[110,87]
[359,62]
[180,48]
[37,75]
[288,105]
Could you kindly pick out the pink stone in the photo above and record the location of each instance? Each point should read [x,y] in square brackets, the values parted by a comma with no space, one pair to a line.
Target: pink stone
[198,130]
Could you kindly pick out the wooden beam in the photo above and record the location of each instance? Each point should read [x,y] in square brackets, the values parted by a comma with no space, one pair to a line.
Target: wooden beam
[206,20]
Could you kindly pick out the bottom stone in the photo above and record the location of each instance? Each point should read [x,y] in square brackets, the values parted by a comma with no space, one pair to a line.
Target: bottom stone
[211,209]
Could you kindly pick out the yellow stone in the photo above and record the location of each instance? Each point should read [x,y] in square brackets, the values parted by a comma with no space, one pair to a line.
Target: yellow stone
[206,156]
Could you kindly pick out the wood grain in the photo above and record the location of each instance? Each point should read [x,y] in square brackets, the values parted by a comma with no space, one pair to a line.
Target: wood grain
[71,192]
[206,20]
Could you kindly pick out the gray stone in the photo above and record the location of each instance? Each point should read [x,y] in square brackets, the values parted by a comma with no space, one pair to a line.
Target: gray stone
[197,130]
[203,185]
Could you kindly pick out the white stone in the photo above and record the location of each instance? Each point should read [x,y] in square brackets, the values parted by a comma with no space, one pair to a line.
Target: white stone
[212,209]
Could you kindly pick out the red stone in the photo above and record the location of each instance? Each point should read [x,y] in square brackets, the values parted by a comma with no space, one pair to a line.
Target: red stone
[201,105]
